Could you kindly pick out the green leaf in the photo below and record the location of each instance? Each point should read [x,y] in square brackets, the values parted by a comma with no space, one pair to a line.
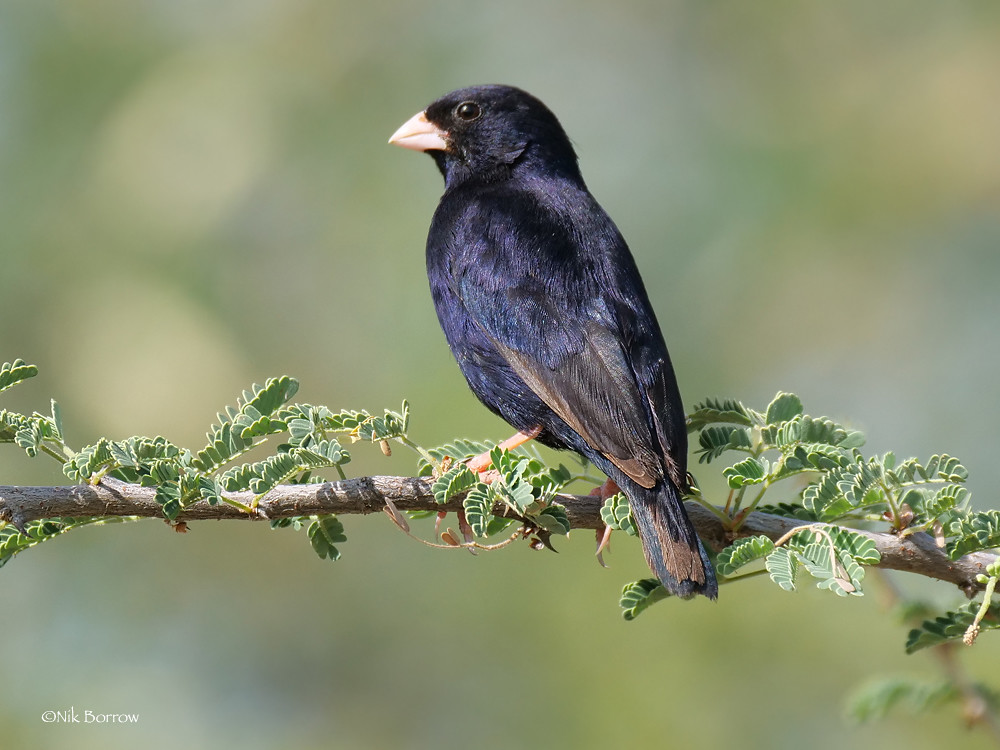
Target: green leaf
[945,499]
[457,451]
[845,490]
[936,468]
[748,471]
[168,495]
[12,373]
[57,422]
[325,532]
[13,542]
[831,554]
[299,430]
[30,436]
[782,566]
[478,506]
[975,532]
[715,411]
[253,425]
[828,553]
[225,442]
[876,699]
[951,626]
[548,479]
[209,489]
[260,477]
[266,399]
[639,595]
[815,457]
[788,510]
[454,481]
[617,513]
[743,552]
[846,578]
[239,425]
[785,406]
[858,546]
[362,425]
[89,461]
[512,488]
[718,439]
[507,463]
[320,455]
[853,439]
[553,519]
[822,563]
[804,429]
[517,494]
[947,468]
[498,524]
[28,432]
[305,423]
[139,452]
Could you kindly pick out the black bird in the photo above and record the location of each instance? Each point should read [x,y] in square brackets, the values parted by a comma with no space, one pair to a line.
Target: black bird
[546,313]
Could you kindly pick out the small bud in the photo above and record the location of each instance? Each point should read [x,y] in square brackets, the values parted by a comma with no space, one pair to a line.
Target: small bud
[970,635]
[939,535]
[384,445]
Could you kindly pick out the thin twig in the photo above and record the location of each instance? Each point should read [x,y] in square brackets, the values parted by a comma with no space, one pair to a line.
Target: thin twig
[976,709]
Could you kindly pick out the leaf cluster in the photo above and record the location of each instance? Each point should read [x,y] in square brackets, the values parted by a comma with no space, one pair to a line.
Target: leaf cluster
[780,459]
[522,490]
[825,481]
[306,438]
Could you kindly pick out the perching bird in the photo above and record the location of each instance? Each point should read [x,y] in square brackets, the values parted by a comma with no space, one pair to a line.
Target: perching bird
[546,313]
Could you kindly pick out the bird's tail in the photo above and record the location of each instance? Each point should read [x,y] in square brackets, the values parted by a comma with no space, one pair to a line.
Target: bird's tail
[669,541]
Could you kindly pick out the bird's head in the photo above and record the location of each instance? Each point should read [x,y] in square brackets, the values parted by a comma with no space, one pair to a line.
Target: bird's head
[485,133]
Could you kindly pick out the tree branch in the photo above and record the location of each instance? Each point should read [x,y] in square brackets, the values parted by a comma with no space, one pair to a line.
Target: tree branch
[916,553]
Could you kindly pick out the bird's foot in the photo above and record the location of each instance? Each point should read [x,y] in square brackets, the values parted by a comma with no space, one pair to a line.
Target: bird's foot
[604,491]
[481,463]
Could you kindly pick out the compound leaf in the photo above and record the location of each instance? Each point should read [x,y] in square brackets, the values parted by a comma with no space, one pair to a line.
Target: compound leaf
[742,552]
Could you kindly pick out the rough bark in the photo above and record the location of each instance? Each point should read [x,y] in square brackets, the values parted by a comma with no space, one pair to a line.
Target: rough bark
[916,553]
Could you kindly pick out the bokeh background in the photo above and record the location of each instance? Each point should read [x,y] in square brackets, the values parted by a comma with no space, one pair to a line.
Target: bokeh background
[196,196]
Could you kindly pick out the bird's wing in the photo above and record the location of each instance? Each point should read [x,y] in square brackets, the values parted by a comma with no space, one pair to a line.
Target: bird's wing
[566,342]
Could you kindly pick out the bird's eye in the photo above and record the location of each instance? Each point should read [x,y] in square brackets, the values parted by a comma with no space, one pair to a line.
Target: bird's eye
[468,111]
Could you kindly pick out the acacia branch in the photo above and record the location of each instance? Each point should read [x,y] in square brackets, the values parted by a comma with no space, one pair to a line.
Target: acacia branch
[916,553]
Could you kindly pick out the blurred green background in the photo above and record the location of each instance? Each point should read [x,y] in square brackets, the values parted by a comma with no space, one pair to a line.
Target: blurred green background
[196,196]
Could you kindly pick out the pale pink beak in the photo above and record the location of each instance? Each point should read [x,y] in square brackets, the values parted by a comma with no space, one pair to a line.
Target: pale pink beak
[420,134]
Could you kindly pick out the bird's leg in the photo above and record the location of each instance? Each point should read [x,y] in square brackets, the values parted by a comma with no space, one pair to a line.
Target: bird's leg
[480,463]
[605,491]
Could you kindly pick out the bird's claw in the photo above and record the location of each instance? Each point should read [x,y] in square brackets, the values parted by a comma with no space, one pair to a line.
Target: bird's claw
[604,491]
[603,542]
